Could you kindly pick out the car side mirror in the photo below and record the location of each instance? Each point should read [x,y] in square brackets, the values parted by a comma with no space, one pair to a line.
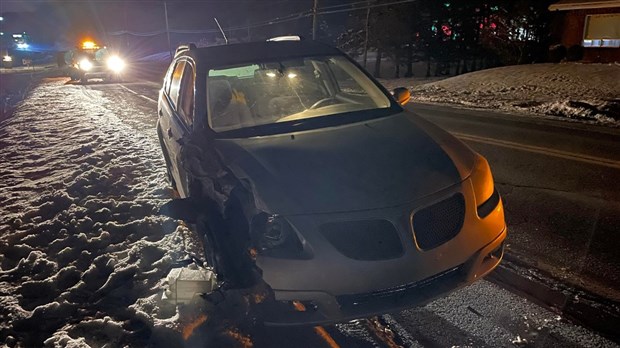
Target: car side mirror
[402,95]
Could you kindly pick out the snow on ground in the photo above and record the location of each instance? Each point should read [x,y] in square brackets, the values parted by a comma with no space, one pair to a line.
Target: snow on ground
[586,92]
[82,251]
[14,85]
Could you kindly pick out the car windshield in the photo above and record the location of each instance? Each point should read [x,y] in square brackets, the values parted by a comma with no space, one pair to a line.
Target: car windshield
[288,90]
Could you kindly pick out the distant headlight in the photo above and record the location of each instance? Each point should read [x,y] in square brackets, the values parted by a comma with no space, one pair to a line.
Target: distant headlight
[116,64]
[85,64]
[7,59]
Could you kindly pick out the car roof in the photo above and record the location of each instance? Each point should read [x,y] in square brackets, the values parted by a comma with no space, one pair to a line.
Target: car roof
[228,55]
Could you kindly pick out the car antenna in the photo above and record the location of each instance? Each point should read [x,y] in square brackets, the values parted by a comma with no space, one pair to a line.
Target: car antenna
[222,30]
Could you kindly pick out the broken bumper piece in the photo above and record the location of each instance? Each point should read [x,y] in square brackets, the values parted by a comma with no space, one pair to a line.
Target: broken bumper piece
[186,284]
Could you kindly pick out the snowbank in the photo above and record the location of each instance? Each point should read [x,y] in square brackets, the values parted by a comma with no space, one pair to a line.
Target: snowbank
[587,92]
[82,251]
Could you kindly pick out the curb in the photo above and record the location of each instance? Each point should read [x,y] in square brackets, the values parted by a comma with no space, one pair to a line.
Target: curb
[576,304]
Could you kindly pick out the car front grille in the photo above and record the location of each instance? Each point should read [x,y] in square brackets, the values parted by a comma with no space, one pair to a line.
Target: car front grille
[367,240]
[438,223]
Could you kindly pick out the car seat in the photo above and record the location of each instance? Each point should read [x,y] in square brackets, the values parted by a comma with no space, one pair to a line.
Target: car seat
[226,112]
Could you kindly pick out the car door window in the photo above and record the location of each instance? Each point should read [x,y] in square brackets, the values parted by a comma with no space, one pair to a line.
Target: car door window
[168,78]
[186,109]
[175,83]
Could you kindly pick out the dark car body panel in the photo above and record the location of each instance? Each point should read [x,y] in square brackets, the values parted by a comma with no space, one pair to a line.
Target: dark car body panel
[335,169]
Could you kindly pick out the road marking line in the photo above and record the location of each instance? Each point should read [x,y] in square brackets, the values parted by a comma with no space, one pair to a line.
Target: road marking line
[147,98]
[319,330]
[139,95]
[541,150]
[128,90]
[326,337]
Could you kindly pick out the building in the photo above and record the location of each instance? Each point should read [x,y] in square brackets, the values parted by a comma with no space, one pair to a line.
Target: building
[595,25]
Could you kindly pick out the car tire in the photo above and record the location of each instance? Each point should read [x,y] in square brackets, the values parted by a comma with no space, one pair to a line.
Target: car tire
[223,246]
[205,227]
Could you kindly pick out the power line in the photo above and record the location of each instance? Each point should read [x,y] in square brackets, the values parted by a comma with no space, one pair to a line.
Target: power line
[368,6]
[288,18]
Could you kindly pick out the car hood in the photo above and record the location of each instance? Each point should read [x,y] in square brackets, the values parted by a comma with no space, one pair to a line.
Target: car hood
[367,165]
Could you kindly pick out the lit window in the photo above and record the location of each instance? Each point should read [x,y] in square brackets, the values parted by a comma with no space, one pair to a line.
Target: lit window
[602,31]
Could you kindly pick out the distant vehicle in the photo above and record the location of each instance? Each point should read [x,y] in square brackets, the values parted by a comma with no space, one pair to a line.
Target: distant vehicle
[302,173]
[7,61]
[89,60]
[21,41]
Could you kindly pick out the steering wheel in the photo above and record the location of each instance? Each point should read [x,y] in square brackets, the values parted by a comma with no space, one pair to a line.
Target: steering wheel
[326,101]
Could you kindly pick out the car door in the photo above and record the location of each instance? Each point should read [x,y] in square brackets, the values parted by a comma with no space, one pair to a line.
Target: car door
[181,101]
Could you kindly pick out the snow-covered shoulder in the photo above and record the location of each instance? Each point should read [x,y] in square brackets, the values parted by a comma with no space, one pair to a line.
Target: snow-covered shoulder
[585,92]
[82,250]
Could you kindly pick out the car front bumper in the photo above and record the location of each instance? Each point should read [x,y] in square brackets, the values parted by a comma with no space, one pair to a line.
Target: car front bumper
[336,288]
[98,71]
[320,308]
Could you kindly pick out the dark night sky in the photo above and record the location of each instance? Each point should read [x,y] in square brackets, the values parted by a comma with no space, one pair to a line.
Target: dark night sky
[61,24]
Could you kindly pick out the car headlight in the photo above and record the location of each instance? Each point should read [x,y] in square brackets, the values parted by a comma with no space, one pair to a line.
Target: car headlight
[85,64]
[273,236]
[116,64]
[7,59]
[487,197]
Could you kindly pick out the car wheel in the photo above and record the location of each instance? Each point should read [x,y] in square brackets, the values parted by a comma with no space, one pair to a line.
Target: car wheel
[205,227]
[225,248]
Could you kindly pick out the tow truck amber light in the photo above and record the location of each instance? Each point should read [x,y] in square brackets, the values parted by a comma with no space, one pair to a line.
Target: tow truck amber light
[88,45]
[116,64]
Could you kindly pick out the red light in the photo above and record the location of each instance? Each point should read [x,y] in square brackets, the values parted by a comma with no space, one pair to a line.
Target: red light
[446,30]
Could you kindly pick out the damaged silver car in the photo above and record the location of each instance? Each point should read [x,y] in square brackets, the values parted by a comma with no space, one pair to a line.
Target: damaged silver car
[302,173]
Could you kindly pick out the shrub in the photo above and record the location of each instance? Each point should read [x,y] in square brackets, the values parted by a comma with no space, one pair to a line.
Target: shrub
[574,53]
[557,53]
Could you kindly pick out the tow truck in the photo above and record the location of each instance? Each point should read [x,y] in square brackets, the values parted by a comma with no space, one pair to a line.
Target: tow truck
[89,60]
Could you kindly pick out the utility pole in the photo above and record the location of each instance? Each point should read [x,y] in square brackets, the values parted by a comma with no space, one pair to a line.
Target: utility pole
[168,30]
[366,32]
[314,10]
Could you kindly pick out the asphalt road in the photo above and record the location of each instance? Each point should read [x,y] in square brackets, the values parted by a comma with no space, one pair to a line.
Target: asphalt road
[560,183]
